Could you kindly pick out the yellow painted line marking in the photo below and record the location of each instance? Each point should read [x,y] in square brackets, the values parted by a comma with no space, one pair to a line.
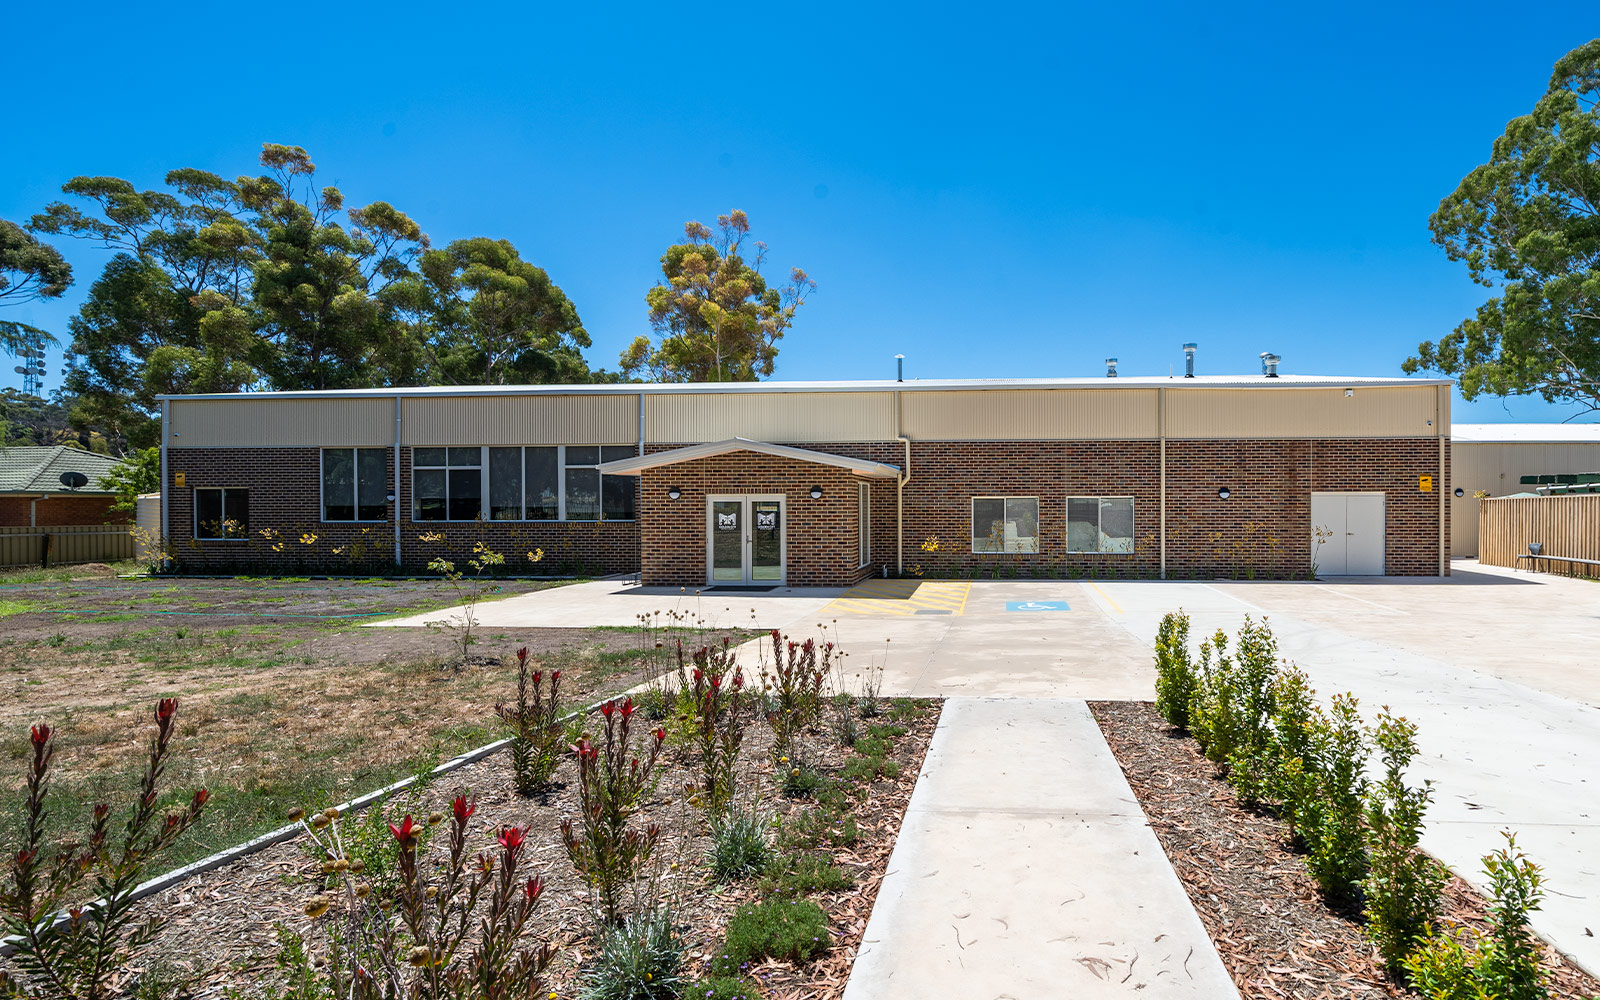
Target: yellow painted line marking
[1108,600]
[902,597]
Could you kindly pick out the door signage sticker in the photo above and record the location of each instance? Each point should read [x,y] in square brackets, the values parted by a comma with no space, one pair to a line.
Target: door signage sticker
[766,520]
[727,522]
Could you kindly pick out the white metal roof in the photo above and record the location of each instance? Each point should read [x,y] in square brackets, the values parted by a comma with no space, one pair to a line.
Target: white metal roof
[638,463]
[1525,433]
[877,385]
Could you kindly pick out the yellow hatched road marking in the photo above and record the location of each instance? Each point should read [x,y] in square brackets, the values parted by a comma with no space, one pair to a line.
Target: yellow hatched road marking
[902,597]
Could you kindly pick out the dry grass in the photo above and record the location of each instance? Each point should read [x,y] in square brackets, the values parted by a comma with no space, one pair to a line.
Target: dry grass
[276,710]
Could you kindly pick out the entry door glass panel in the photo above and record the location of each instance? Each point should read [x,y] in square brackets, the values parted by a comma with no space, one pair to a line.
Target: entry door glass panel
[727,541]
[766,541]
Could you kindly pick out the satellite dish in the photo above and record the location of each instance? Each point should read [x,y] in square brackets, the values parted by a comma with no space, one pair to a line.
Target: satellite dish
[74,480]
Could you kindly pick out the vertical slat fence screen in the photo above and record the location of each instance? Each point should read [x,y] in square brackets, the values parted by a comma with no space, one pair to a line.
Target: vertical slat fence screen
[1563,526]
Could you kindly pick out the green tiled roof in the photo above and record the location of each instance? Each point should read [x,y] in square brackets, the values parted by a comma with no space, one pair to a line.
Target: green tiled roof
[33,469]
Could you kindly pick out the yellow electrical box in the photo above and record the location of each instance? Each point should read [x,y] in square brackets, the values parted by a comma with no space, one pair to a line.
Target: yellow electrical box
[1425,484]
[177,479]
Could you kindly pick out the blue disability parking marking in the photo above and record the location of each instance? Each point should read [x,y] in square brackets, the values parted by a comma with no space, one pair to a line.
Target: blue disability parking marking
[1037,606]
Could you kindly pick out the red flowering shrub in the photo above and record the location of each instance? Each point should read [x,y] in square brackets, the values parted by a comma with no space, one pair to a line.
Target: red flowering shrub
[613,778]
[434,950]
[80,954]
[535,726]
[718,688]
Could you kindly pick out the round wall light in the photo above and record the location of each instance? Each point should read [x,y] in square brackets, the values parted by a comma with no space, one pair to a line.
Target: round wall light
[674,493]
[816,493]
[1224,493]
[1460,492]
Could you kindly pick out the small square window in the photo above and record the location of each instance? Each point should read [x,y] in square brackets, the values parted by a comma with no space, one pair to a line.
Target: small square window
[221,514]
[1005,524]
[1100,524]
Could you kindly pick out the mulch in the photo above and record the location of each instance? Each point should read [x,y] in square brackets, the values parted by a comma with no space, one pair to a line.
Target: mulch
[220,936]
[1253,893]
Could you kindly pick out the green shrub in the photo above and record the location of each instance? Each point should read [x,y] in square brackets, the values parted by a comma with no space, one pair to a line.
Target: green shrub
[639,959]
[1293,783]
[1440,968]
[873,746]
[814,827]
[1403,885]
[721,988]
[1251,764]
[1508,963]
[1175,679]
[739,847]
[800,873]
[1502,965]
[792,929]
[1212,710]
[869,769]
[1336,849]
[799,781]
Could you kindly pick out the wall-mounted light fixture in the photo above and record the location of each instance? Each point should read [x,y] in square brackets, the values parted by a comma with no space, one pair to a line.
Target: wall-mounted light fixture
[1460,492]
[816,493]
[1349,392]
[674,493]
[1224,493]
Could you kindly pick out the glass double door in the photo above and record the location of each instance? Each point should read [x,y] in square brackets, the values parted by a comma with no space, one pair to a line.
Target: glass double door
[745,540]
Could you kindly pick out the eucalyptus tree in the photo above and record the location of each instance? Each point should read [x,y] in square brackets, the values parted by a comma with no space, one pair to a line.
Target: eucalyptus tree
[1527,223]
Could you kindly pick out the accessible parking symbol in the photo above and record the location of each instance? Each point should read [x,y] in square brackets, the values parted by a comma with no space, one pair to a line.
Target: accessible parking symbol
[1037,606]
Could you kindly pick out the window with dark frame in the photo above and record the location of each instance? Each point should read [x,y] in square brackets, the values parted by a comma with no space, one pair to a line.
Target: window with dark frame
[355,484]
[533,483]
[221,514]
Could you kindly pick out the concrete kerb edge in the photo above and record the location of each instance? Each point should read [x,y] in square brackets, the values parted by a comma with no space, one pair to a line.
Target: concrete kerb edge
[288,832]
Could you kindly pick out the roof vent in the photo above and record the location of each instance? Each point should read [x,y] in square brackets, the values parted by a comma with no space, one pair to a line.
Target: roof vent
[1188,360]
[1111,367]
[1269,364]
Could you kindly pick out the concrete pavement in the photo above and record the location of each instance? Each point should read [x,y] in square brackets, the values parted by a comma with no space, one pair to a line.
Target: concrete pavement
[1502,754]
[1500,670]
[1026,869]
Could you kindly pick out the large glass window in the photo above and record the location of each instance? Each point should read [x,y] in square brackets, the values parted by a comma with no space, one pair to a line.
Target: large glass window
[446,484]
[355,484]
[1100,524]
[221,514]
[1005,524]
[543,483]
[520,484]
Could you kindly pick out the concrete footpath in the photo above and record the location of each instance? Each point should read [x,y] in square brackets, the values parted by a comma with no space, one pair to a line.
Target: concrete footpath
[1501,755]
[1026,869]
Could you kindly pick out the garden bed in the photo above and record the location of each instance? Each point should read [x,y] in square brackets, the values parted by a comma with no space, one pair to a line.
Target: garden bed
[1260,905]
[221,931]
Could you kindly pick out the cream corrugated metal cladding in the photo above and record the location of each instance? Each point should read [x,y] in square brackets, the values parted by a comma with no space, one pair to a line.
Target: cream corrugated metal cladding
[284,423]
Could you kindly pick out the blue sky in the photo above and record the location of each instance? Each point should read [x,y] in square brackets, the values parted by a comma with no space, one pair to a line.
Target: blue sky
[990,190]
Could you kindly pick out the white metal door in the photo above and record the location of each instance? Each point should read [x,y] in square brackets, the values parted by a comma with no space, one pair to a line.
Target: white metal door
[1364,530]
[1329,547]
[1347,533]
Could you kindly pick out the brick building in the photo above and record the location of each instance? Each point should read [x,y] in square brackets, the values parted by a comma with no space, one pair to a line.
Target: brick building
[824,483]
[33,493]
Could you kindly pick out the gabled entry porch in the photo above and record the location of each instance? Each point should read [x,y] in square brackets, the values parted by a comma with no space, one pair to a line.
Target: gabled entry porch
[742,513]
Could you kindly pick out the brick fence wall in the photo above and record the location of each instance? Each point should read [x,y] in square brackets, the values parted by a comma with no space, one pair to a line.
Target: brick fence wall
[285,487]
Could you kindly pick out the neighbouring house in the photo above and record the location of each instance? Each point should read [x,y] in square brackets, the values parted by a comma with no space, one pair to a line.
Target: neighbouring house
[822,483]
[32,493]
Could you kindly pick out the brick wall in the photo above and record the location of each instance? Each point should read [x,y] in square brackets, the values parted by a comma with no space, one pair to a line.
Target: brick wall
[285,487]
[1264,526]
[60,510]
[821,541]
